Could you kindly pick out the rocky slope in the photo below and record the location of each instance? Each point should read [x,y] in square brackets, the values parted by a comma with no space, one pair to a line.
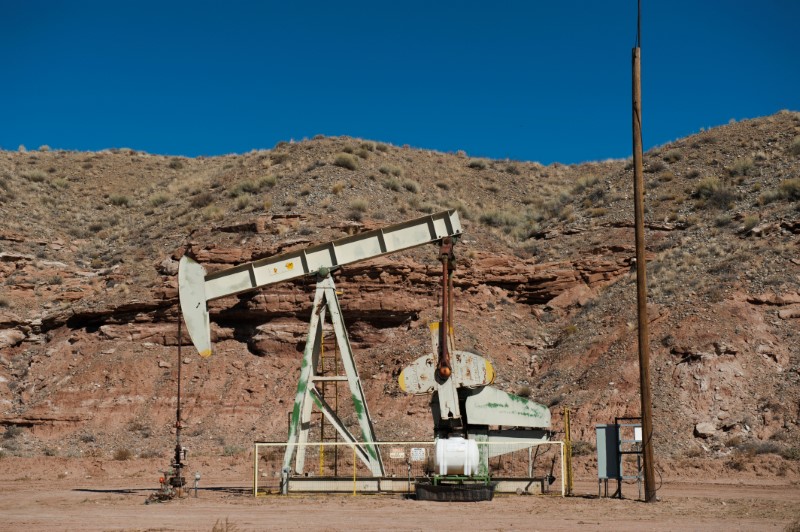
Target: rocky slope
[88,296]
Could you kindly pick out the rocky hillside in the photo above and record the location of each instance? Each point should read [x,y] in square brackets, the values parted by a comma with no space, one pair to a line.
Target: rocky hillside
[89,246]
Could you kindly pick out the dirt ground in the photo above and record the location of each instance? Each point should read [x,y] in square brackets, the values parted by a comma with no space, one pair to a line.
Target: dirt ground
[84,494]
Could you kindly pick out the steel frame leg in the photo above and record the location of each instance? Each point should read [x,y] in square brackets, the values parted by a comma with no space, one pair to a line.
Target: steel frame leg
[325,300]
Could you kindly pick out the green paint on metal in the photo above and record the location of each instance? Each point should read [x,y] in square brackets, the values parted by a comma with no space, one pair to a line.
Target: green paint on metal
[295,413]
[483,453]
[358,405]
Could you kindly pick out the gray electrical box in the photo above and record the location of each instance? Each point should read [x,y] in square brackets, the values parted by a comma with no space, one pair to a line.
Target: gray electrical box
[608,456]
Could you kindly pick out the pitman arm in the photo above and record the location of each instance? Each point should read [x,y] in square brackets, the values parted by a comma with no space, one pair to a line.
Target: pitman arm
[196,288]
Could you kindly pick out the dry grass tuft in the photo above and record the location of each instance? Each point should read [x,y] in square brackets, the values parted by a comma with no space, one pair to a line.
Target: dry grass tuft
[345,160]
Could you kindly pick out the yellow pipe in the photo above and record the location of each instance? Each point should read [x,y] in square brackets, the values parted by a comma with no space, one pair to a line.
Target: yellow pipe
[322,418]
[354,470]
[255,470]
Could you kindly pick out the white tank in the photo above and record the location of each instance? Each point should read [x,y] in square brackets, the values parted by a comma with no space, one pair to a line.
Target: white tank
[456,456]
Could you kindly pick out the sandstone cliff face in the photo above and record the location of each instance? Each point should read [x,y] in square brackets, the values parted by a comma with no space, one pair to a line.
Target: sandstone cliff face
[88,308]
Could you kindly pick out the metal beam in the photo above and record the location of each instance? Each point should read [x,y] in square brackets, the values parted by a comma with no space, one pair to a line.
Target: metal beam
[196,288]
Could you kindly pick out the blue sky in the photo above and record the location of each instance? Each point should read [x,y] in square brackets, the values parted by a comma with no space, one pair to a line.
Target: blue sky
[526,80]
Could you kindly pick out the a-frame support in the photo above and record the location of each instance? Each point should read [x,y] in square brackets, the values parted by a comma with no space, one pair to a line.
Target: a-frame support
[307,395]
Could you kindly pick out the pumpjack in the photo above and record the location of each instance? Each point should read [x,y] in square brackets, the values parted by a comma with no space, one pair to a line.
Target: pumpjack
[464,406]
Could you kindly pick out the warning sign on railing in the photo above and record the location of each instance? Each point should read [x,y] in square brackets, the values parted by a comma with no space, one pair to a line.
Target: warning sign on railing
[417,454]
[397,453]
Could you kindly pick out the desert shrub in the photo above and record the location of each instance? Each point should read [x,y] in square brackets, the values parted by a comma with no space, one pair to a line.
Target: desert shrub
[212,212]
[421,205]
[556,399]
[337,187]
[742,167]
[750,222]
[279,158]
[499,218]
[392,184]
[242,203]
[794,147]
[4,303]
[411,186]
[723,220]
[176,164]
[524,391]
[769,196]
[655,166]
[290,202]
[477,164]
[714,193]
[315,165]
[362,153]
[35,176]
[201,200]
[734,441]
[390,169]
[231,450]
[60,182]
[791,453]
[737,462]
[790,188]
[247,187]
[159,199]
[253,187]
[596,212]
[513,169]
[345,160]
[754,448]
[268,181]
[55,280]
[359,205]
[673,156]
[582,448]
[12,431]
[382,147]
[150,453]
[463,211]
[305,190]
[119,200]
[44,147]
[584,182]
[369,146]
[122,454]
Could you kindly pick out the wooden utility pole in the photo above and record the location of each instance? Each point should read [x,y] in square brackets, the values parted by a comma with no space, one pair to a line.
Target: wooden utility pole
[641,275]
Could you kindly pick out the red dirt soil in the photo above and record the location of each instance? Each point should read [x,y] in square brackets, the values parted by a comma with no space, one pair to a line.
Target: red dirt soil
[84,494]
